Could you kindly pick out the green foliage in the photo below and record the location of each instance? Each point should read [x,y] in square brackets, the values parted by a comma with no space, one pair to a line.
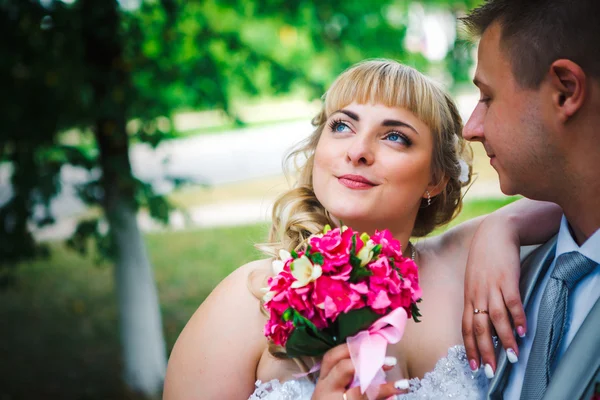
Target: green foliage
[117,77]
[316,258]
[307,340]
[414,310]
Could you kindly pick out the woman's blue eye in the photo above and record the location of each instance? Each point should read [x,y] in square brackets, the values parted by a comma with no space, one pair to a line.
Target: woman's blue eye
[338,126]
[398,138]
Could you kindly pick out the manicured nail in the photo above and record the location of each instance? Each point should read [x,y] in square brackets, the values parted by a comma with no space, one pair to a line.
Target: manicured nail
[390,361]
[473,365]
[521,331]
[489,372]
[402,384]
[512,356]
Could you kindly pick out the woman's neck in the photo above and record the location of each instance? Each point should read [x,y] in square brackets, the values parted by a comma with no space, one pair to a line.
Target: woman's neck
[402,235]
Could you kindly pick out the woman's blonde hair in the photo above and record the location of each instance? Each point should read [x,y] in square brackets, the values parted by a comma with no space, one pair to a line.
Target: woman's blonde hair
[298,213]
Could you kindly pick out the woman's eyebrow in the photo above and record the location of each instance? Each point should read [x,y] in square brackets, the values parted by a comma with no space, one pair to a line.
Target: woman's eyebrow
[350,114]
[393,122]
[387,122]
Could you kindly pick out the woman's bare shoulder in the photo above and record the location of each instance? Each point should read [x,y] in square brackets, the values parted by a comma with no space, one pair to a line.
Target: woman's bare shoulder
[450,249]
[223,340]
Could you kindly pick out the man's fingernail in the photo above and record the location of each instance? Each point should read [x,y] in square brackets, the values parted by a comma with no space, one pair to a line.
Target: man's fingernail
[521,331]
[390,361]
[489,372]
[473,365]
[402,384]
[512,356]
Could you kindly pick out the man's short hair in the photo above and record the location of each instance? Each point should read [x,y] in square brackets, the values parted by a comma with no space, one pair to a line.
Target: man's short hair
[535,33]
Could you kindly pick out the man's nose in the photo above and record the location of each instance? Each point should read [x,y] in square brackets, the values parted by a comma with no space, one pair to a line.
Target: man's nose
[473,130]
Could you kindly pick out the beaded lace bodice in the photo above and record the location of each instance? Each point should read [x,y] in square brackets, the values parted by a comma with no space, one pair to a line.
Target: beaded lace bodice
[450,379]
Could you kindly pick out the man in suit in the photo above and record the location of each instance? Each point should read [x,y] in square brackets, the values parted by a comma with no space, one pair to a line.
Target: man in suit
[538,119]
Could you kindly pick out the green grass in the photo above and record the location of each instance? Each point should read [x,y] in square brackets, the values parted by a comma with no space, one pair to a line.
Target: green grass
[58,329]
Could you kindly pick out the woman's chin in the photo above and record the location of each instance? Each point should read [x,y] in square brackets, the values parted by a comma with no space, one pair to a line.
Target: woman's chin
[356,222]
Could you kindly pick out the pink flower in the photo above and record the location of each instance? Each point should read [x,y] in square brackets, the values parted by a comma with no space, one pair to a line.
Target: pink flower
[335,246]
[361,287]
[390,246]
[410,274]
[278,330]
[380,267]
[335,297]
[379,301]
[316,284]
[342,272]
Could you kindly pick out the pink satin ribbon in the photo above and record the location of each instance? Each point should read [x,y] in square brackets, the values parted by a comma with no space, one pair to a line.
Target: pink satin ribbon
[367,350]
[314,369]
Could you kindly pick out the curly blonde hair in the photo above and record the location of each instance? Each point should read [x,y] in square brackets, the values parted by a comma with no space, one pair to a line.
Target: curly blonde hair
[297,213]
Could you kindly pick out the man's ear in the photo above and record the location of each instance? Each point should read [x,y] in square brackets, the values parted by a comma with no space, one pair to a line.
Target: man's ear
[568,83]
[436,188]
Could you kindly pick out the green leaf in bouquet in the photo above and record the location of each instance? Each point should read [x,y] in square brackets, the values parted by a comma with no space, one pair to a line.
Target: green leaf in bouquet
[294,254]
[416,313]
[354,261]
[306,339]
[358,273]
[305,342]
[353,247]
[317,258]
[376,250]
[352,322]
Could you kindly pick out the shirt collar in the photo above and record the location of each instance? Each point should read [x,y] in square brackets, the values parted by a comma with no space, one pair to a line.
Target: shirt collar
[565,243]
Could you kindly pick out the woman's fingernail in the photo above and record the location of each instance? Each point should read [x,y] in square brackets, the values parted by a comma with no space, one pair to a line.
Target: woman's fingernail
[512,356]
[402,384]
[473,365]
[521,331]
[390,361]
[489,372]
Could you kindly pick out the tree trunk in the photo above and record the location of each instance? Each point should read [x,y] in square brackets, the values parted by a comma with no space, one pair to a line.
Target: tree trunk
[142,341]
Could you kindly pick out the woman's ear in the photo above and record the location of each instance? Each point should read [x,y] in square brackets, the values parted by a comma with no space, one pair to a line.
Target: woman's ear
[568,85]
[436,188]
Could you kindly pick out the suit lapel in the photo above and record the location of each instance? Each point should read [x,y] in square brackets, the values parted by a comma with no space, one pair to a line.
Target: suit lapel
[580,363]
[534,267]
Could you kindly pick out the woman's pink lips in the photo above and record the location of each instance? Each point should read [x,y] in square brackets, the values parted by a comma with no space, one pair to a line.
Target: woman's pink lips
[355,182]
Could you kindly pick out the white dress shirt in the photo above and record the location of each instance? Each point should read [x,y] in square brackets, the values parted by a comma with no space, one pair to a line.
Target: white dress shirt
[581,300]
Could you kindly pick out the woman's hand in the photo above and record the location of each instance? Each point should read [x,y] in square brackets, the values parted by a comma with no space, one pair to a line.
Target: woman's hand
[337,373]
[492,286]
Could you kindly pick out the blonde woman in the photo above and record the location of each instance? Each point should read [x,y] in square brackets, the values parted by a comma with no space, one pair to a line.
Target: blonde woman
[387,153]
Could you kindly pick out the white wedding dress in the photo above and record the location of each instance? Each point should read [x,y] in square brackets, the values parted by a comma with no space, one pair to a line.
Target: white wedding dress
[450,379]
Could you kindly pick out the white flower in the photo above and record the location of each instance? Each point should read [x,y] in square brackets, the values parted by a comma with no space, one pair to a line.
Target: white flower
[268,296]
[464,171]
[279,264]
[366,253]
[304,271]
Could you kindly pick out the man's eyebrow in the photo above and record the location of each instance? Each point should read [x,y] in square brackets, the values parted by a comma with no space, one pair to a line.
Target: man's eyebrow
[479,83]
[393,122]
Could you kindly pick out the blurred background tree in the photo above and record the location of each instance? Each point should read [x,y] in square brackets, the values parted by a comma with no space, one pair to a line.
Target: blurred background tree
[82,80]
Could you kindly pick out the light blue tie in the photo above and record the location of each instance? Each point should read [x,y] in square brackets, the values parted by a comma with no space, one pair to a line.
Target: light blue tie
[570,268]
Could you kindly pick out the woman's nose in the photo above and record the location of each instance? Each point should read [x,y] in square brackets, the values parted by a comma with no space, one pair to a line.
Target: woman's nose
[361,151]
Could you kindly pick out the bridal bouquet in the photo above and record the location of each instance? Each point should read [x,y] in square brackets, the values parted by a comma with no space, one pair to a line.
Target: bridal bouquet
[344,286]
